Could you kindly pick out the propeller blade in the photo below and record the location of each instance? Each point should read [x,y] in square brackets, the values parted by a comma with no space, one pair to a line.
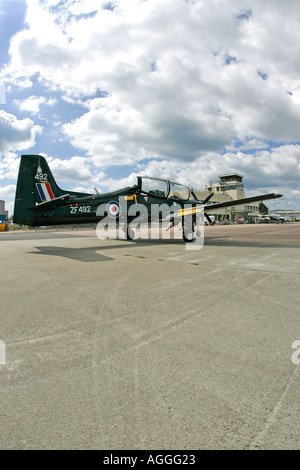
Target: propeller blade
[208,218]
[208,198]
[205,200]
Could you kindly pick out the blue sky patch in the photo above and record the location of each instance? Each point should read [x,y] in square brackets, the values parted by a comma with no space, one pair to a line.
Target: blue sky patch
[12,17]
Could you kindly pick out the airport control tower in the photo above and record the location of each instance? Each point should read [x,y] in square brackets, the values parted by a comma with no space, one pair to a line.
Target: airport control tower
[231,184]
[230,187]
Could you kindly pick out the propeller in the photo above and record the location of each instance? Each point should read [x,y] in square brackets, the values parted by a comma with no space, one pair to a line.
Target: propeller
[205,200]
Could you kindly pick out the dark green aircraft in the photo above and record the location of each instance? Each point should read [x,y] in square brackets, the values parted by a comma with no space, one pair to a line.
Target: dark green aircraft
[40,202]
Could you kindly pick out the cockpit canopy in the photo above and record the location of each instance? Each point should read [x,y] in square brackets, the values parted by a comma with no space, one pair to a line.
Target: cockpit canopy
[163,188]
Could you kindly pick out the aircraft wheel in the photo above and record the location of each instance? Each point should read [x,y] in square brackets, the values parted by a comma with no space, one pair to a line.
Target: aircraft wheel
[189,237]
[129,233]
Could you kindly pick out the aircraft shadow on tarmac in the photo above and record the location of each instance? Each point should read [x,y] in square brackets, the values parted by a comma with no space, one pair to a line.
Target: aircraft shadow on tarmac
[92,255]
[87,255]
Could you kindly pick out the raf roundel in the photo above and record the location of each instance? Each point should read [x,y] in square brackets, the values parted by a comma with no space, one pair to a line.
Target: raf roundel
[113,209]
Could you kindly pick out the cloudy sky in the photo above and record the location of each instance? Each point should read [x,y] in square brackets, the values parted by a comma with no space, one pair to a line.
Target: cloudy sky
[182,89]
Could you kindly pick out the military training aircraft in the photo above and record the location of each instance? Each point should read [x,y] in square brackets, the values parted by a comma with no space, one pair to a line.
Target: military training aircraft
[40,202]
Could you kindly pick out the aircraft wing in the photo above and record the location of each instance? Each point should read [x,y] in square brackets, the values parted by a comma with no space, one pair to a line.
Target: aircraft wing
[237,202]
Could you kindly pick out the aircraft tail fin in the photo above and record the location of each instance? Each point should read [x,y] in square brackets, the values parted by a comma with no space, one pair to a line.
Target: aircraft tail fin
[35,185]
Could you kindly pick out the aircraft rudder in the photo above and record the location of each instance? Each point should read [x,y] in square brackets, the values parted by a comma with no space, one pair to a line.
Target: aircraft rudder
[35,184]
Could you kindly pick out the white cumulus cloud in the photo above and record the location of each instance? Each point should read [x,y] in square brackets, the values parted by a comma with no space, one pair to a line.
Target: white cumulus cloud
[16,134]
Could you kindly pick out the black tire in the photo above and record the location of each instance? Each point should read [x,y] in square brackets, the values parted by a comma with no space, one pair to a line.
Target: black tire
[129,233]
[188,237]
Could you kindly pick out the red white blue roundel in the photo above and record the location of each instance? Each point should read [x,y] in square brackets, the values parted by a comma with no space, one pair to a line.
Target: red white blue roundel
[113,209]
